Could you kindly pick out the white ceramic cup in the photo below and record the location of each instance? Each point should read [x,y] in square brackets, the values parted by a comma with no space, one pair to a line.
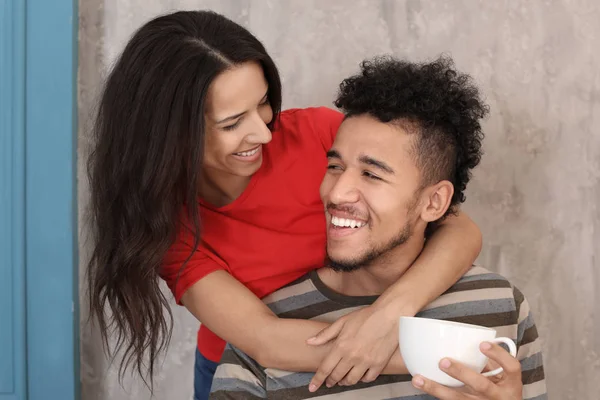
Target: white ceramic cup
[425,342]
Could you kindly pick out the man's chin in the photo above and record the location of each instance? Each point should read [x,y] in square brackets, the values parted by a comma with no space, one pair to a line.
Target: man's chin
[344,265]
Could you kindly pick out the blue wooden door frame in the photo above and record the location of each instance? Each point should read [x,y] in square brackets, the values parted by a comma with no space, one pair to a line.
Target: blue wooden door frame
[38,207]
[12,201]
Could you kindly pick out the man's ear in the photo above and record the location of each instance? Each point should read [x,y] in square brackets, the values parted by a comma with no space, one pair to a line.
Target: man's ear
[437,199]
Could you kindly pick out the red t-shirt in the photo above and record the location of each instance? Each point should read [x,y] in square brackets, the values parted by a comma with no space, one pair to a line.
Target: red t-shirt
[275,231]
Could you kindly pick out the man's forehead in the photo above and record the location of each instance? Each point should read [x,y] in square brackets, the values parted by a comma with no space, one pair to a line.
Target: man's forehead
[364,135]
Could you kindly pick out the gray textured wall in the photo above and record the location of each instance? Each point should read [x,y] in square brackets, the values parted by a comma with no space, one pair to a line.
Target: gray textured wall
[535,196]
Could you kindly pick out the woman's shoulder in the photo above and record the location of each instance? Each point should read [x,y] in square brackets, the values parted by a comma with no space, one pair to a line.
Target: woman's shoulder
[310,115]
[319,123]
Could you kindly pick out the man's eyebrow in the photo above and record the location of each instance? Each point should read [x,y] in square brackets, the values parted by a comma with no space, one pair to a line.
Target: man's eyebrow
[333,154]
[376,163]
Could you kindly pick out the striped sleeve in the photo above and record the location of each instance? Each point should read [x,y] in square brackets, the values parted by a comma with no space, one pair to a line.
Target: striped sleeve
[238,377]
[529,351]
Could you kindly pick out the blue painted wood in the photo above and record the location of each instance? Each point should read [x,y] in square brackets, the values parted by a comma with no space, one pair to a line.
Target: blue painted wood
[12,210]
[51,215]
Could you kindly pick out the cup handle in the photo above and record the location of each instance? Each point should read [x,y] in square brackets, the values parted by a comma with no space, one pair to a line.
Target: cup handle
[512,348]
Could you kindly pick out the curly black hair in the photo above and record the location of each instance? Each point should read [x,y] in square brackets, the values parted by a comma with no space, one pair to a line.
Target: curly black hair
[433,100]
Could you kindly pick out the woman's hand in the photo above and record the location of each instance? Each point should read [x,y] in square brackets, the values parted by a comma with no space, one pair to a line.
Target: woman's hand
[505,386]
[365,340]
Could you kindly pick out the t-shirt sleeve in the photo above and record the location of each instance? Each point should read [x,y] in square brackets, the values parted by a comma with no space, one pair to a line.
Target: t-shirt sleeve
[180,278]
[238,377]
[529,351]
[326,123]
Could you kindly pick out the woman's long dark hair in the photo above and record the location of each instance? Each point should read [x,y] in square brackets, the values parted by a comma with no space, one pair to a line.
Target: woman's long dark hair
[145,165]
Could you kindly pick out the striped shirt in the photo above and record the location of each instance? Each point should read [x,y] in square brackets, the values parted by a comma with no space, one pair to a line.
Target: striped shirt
[480,297]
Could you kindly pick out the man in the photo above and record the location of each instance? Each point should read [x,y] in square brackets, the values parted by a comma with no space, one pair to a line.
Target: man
[400,163]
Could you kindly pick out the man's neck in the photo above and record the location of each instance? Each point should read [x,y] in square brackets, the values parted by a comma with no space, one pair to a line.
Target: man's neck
[374,279]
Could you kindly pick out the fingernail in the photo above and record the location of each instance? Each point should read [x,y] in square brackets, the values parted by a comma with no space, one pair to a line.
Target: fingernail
[445,363]
[418,381]
[310,340]
[312,387]
[486,346]
[329,385]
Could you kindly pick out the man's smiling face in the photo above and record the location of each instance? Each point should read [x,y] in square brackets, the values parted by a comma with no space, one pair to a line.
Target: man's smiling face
[370,191]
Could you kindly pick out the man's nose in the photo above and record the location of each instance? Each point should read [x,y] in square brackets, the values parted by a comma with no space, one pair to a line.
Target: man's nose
[344,190]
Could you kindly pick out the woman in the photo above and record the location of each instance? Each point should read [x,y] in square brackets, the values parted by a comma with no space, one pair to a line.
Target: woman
[198,178]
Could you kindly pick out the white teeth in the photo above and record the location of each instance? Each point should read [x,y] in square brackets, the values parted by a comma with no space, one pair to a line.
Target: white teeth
[346,223]
[248,153]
